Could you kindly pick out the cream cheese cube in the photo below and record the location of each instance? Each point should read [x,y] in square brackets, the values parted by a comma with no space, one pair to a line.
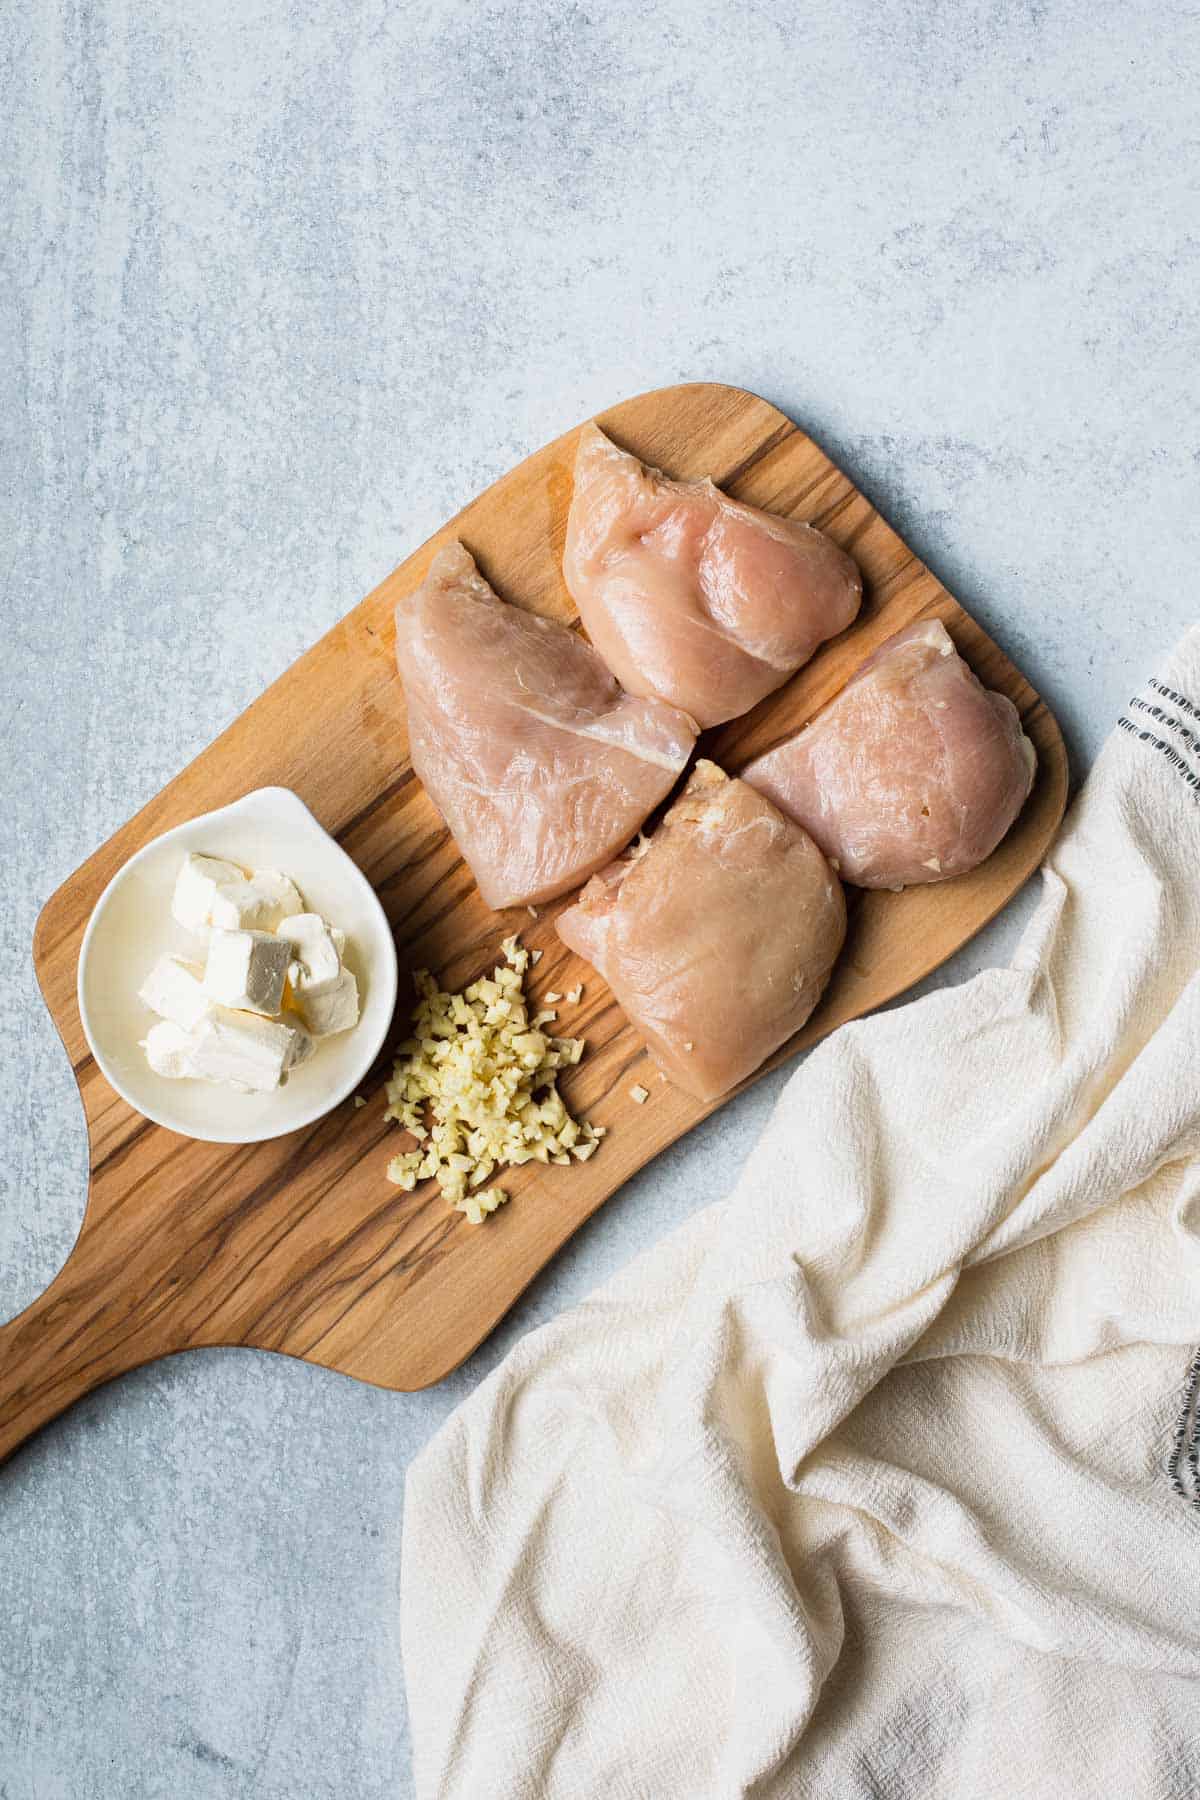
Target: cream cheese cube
[240,1049]
[258,904]
[247,970]
[167,1046]
[302,1045]
[196,888]
[174,989]
[317,952]
[330,1009]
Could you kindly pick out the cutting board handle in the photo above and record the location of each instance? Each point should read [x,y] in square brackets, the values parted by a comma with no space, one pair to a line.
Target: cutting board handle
[81,1332]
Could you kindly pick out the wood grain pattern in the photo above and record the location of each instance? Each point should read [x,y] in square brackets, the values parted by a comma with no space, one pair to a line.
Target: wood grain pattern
[302,1245]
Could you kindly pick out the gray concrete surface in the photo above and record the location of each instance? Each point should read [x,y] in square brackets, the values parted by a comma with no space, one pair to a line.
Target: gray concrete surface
[281,286]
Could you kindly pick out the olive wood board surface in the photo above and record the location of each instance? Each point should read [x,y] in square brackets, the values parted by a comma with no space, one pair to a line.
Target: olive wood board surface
[302,1245]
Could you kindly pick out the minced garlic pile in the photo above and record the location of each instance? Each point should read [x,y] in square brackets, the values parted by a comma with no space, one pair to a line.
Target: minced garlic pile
[488,1073]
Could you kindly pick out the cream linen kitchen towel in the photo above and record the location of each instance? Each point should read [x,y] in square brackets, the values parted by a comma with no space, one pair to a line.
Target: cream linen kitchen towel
[861,1484]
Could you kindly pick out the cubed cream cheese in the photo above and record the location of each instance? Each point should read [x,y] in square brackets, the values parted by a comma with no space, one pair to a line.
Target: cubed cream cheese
[166,1045]
[317,952]
[247,970]
[236,1019]
[174,989]
[240,1048]
[257,904]
[196,888]
[302,1045]
[330,1009]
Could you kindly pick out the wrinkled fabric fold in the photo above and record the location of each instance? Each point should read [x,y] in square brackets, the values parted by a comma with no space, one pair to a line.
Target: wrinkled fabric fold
[858,1484]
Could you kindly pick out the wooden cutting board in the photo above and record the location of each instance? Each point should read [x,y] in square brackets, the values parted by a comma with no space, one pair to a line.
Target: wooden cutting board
[303,1245]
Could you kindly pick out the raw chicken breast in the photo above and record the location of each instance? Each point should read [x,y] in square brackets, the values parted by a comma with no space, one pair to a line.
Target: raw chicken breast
[912,774]
[719,937]
[691,596]
[542,768]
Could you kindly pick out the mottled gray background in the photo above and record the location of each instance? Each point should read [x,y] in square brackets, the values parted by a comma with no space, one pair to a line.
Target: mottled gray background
[281,287]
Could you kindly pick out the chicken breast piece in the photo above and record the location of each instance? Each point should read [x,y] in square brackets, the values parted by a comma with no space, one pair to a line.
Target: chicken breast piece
[719,938]
[912,774]
[541,767]
[691,596]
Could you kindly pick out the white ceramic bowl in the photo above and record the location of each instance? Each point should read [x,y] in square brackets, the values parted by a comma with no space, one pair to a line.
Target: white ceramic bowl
[132,926]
